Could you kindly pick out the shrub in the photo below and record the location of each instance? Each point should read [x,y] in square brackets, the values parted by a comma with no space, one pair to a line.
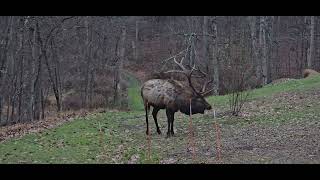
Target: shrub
[239,85]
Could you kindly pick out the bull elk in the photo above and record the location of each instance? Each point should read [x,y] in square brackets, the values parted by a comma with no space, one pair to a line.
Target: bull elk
[173,95]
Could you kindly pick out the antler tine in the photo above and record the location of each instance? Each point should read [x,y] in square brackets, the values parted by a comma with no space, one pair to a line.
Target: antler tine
[207,92]
[203,73]
[175,71]
[205,85]
[179,64]
[203,92]
[189,79]
[193,68]
[184,70]
[190,84]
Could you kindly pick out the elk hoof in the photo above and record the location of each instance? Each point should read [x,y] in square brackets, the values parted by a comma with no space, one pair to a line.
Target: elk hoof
[168,134]
[147,132]
[159,132]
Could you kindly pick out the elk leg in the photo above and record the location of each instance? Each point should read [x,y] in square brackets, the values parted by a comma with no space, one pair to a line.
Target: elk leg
[154,114]
[147,108]
[172,120]
[169,116]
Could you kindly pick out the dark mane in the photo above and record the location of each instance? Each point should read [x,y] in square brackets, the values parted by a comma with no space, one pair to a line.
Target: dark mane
[159,75]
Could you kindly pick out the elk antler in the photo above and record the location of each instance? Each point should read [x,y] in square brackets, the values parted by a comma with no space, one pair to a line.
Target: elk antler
[204,92]
[205,86]
[188,73]
[189,79]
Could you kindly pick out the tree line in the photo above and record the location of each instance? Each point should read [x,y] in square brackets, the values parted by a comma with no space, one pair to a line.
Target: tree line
[58,63]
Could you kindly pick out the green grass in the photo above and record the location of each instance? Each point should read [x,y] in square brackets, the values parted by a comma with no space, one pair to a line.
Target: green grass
[268,90]
[79,141]
[292,85]
[283,114]
[135,101]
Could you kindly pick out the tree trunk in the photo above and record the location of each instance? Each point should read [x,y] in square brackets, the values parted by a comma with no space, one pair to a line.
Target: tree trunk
[38,79]
[3,60]
[302,62]
[254,46]
[42,105]
[192,53]
[1,109]
[115,75]
[8,110]
[136,43]
[205,43]
[38,89]
[53,84]
[118,94]
[215,61]
[269,45]
[311,46]
[14,90]
[88,64]
[277,54]
[263,46]
[57,78]
[21,69]
[122,51]
[32,40]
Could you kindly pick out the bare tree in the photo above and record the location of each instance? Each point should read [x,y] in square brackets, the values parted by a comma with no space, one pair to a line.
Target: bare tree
[215,61]
[311,45]
[205,42]
[119,69]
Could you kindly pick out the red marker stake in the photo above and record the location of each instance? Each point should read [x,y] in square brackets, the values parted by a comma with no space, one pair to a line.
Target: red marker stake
[191,135]
[218,144]
[149,141]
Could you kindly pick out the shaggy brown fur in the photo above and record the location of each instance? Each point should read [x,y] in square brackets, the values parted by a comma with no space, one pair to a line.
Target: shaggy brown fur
[309,72]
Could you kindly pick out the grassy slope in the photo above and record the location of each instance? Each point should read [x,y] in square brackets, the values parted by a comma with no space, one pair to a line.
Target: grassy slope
[268,90]
[123,139]
[135,102]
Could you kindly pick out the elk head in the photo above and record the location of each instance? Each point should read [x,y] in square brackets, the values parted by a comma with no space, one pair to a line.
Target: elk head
[198,102]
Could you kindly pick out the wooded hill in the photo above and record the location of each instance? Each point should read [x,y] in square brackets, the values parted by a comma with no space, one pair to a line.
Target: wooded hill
[58,63]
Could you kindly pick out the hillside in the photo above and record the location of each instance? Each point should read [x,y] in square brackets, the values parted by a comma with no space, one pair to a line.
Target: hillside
[280,124]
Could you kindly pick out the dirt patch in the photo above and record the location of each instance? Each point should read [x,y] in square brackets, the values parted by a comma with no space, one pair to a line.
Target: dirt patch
[295,140]
[290,142]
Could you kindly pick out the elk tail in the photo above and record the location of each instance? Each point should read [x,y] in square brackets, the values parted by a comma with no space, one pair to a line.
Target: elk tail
[141,91]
